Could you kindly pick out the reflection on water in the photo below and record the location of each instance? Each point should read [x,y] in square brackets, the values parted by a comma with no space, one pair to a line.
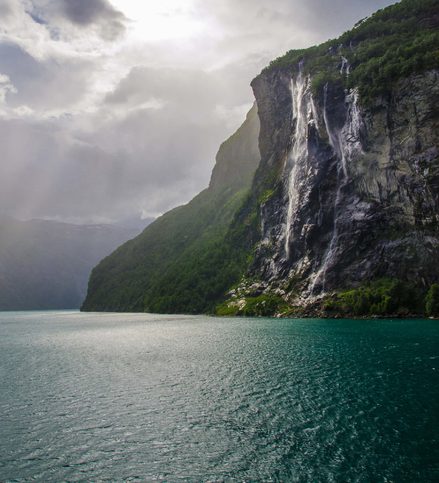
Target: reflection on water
[144,397]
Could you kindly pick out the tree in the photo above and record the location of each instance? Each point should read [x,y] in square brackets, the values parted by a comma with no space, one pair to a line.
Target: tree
[432,301]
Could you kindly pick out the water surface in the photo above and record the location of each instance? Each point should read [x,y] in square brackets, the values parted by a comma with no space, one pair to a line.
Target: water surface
[169,398]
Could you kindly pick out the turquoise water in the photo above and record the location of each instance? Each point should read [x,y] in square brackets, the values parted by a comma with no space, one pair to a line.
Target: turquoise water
[167,398]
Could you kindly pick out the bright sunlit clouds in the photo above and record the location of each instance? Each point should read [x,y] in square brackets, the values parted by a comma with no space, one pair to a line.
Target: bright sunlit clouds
[162,20]
[115,108]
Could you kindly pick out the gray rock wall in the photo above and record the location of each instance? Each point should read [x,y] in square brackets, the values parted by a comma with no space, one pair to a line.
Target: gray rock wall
[355,195]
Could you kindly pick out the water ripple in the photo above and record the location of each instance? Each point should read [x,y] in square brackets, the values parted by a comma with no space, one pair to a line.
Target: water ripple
[162,398]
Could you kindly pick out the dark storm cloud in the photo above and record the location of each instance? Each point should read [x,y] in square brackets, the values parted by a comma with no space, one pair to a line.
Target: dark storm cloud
[87,12]
[93,15]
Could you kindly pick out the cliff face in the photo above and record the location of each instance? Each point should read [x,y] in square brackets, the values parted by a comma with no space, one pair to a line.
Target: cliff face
[346,193]
[356,194]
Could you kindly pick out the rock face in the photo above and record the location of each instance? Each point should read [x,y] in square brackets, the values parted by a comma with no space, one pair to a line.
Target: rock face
[357,195]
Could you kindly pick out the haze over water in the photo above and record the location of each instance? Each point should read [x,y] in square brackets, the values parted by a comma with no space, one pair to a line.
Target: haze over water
[168,398]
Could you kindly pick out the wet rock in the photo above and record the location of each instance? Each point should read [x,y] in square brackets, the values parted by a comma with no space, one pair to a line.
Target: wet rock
[357,195]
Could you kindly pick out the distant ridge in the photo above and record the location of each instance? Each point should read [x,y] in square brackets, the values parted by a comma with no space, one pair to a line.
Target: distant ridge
[46,264]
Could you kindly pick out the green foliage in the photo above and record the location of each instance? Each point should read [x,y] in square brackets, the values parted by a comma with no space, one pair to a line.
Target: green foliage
[392,44]
[226,310]
[265,305]
[321,78]
[266,195]
[380,297]
[432,301]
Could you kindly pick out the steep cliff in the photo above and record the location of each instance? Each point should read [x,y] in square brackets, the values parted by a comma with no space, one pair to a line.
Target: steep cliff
[347,188]
[343,212]
[357,194]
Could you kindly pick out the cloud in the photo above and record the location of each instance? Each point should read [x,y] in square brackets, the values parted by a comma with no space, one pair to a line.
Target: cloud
[6,87]
[84,13]
[44,85]
[98,122]
[130,156]
[47,172]
[6,9]
[94,16]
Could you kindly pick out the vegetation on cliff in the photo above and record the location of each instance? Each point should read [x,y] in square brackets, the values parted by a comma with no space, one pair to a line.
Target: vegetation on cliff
[391,44]
[265,305]
[380,297]
[384,297]
[432,301]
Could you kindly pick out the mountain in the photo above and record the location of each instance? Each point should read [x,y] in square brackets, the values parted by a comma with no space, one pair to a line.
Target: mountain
[343,210]
[46,264]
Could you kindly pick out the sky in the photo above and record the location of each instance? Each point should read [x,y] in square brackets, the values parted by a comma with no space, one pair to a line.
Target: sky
[114,109]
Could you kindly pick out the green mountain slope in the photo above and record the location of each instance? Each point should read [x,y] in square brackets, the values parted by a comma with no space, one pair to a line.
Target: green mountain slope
[179,263]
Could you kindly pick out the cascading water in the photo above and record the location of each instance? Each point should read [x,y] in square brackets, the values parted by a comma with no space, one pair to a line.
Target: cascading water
[345,66]
[346,143]
[304,112]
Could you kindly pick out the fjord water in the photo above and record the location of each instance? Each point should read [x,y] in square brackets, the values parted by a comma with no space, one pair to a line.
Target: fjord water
[145,397]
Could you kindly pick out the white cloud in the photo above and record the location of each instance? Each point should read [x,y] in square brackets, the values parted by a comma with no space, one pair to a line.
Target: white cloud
[6,87]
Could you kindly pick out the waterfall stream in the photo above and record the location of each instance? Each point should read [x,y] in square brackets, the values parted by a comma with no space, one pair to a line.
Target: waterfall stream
[303,109]
[346,143]
[345,66]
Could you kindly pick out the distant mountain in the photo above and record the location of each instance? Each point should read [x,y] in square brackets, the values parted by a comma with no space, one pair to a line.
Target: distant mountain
[46,264]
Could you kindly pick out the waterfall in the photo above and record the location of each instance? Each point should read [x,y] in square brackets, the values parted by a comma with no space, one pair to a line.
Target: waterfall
[304,112]
[346,144]
[345,66]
